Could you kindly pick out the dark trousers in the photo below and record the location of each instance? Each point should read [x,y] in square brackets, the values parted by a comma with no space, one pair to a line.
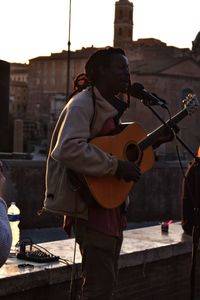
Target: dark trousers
[100,254]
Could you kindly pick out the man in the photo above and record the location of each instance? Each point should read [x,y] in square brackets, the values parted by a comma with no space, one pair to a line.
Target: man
[92,112]
[5,230]
[190,200]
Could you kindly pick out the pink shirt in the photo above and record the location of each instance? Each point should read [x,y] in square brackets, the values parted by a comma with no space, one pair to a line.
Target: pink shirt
[108,221]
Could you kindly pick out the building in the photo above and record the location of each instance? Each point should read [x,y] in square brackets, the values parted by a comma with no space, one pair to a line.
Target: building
[18,90]
[123,24]
[163,69]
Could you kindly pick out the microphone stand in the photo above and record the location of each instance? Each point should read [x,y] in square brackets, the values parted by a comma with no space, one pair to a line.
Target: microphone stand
[178,138]
[196,226]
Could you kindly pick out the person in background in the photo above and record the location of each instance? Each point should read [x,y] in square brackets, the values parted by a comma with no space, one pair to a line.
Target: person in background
[5,230]
[190,199]
[94,111]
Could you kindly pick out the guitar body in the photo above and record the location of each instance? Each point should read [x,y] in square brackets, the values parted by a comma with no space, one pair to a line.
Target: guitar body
[109,191]
[131,143]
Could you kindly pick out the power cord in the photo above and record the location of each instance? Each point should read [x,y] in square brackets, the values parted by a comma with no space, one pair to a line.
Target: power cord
[175,141]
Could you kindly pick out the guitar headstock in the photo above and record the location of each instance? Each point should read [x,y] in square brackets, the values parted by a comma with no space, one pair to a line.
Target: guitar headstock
[191,103]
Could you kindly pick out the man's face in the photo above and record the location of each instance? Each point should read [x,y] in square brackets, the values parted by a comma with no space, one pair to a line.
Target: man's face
[116,75]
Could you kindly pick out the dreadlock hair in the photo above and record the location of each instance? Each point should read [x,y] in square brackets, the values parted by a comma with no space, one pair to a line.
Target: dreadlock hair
[80,83]
[101,57]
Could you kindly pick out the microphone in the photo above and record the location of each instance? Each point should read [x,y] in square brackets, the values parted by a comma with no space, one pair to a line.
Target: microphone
[137,90]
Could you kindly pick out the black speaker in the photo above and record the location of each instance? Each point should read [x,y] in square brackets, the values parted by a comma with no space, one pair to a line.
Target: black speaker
[4,93]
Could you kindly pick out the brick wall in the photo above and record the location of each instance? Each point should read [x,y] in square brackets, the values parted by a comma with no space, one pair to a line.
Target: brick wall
[167,279]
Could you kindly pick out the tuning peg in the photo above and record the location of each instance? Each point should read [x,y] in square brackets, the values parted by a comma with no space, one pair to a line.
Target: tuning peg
[191,103]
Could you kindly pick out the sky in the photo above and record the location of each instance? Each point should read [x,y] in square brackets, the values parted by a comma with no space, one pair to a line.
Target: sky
[32,28]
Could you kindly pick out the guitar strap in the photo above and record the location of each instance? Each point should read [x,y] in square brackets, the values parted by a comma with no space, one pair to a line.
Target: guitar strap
[94,107]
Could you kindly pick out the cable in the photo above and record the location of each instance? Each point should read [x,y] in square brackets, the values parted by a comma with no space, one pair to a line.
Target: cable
[73,277]
[41,254]
[175,141]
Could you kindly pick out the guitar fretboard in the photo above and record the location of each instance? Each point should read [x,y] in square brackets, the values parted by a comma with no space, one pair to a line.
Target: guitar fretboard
[153,136]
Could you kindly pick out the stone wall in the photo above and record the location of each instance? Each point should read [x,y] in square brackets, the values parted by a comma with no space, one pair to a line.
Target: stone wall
[155,197]
[27,179]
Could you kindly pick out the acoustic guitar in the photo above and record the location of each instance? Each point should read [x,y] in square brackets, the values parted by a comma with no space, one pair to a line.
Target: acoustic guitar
[131,143]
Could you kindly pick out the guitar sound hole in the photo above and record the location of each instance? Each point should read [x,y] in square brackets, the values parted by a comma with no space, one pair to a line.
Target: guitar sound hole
[132,152]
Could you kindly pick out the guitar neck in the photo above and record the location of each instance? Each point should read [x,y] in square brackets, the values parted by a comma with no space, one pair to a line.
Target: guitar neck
[154,135]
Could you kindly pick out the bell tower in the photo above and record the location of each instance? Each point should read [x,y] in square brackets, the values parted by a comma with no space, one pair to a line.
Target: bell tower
[123,24]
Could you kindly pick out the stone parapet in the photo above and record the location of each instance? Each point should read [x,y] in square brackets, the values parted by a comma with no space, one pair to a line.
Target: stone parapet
[152,265]
[155,197]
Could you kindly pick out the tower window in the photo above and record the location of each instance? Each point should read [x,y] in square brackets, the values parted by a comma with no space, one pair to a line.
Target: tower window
[120,31]
[120,14]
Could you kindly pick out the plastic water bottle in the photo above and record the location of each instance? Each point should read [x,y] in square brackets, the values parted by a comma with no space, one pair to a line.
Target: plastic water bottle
[14,218]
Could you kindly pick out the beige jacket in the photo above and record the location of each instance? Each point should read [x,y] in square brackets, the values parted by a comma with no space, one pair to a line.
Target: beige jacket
[69,148]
